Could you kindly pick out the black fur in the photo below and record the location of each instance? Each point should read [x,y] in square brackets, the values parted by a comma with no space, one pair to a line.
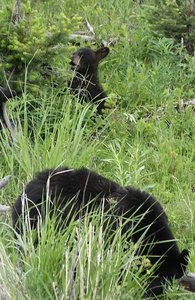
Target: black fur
[85,82]
[83,185]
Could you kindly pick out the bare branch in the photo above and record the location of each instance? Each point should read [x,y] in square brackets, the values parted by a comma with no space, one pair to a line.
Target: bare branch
[188,282]
[17,10]
[7,122]
[89,27]
[4,208]
[4,181]
[5,94]
[82,37]
[189,103]
[178,106]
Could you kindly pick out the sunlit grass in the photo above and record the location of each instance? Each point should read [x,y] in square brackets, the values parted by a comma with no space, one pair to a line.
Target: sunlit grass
[143,76]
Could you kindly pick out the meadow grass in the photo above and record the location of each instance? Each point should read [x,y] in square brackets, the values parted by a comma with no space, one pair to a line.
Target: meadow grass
[142,75]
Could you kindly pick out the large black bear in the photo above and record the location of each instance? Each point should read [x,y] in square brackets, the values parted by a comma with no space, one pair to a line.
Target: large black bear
[85,82]
[81,186]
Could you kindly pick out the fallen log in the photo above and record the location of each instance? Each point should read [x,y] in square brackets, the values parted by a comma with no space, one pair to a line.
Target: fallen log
[188,282]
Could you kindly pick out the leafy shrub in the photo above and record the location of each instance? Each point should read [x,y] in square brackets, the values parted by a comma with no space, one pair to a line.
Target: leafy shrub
[175,19]
[31,40]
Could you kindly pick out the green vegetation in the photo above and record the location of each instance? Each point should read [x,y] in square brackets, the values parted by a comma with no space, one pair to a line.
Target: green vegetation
[175,19]
[28,43]
[143,142]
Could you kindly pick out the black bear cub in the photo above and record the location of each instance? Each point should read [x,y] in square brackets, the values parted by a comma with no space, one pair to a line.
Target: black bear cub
[71,189]
[85,82]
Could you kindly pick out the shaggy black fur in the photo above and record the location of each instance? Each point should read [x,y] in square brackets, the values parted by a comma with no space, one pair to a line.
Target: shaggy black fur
[83,185]
[85,82]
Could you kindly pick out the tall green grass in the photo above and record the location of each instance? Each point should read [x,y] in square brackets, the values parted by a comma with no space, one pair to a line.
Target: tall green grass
[141,75]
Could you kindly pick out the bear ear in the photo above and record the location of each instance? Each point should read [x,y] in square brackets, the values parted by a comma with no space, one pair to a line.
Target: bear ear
[184,257]
[102,52]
